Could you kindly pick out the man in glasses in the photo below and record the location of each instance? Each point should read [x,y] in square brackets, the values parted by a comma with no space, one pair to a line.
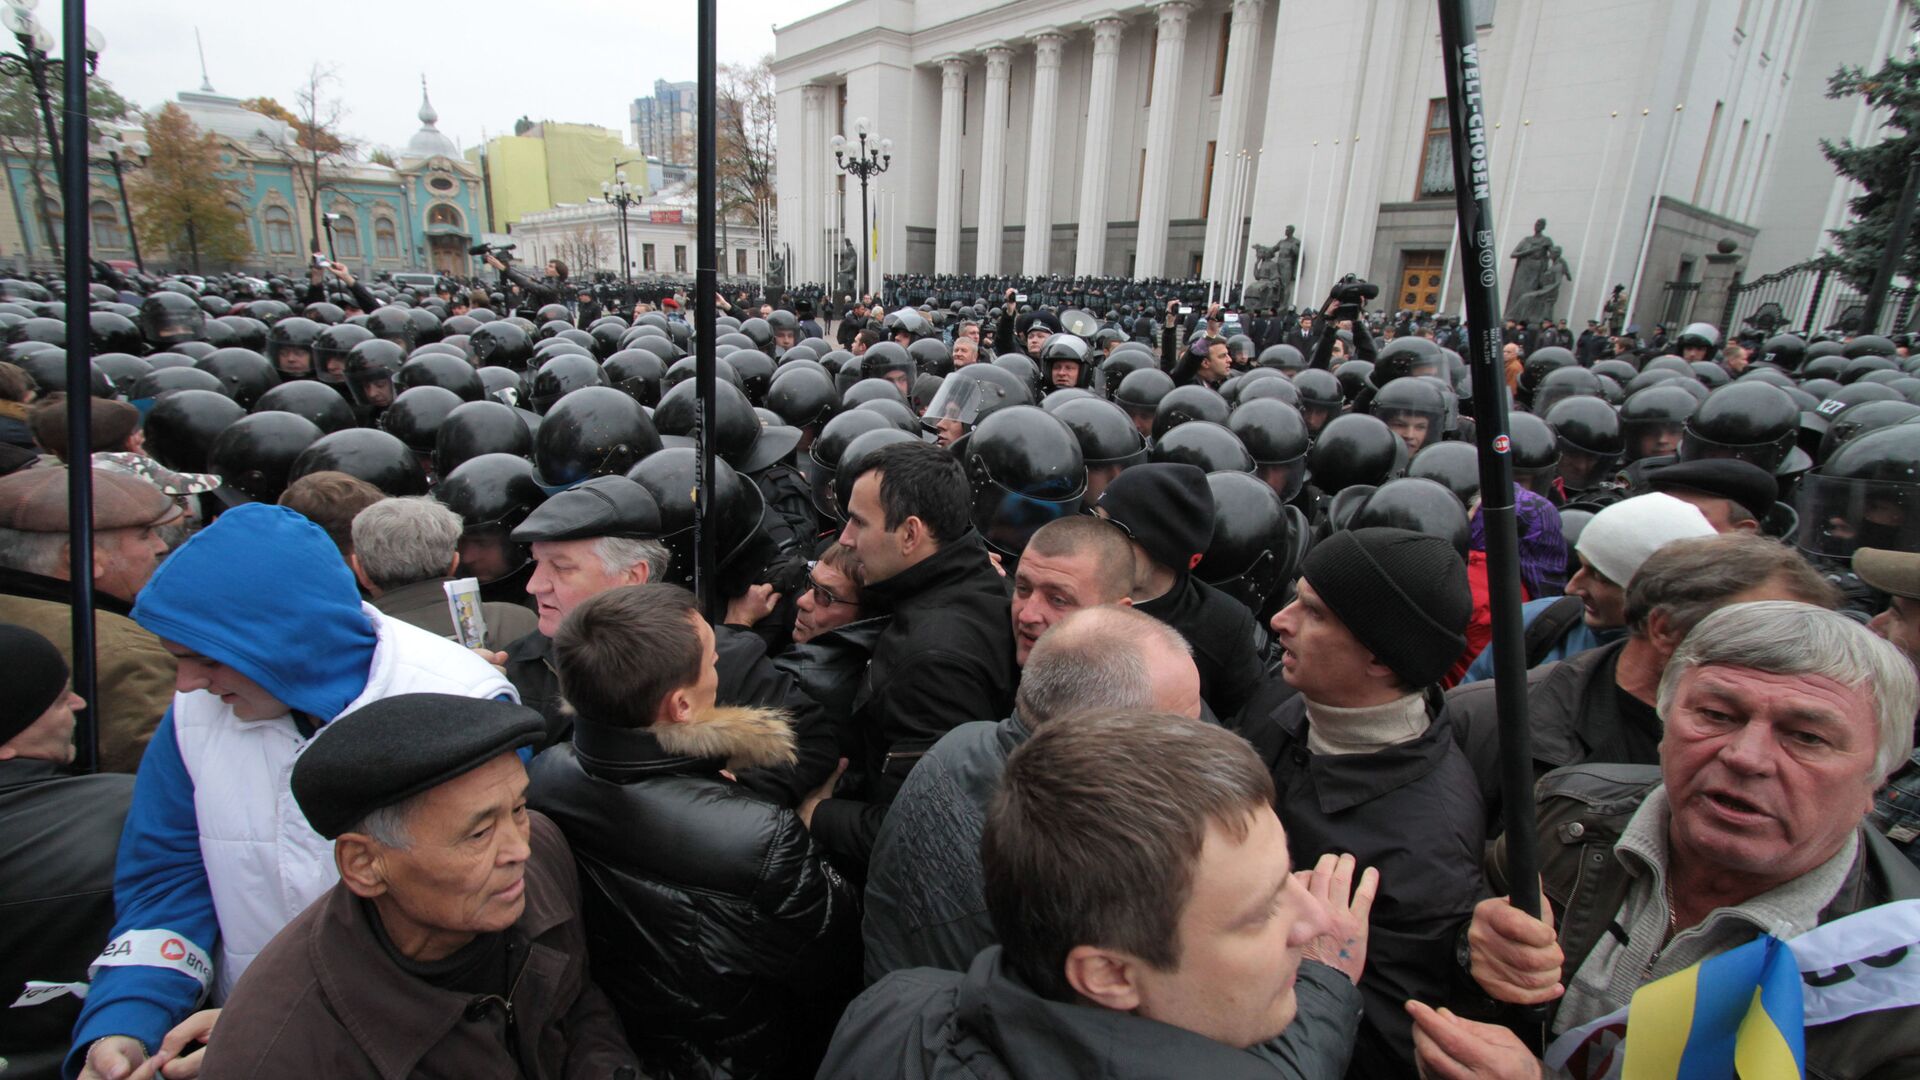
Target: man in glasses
[833,635]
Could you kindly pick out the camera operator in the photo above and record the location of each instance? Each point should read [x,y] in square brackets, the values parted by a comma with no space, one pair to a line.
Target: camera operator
[1342,312]
[533,294]
[363,301]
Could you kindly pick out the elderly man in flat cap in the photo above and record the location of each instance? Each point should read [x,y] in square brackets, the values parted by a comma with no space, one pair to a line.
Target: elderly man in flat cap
[452,945]
[134,674]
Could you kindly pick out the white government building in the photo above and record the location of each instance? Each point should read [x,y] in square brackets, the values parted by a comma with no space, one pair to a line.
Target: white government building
[1077,137]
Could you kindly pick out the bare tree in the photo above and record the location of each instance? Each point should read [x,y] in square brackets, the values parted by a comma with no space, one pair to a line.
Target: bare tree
[746,138]
[316,117]
[583,249]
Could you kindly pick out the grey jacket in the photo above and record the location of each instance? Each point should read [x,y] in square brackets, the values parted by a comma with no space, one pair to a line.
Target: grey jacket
[424,604]
[926,1024]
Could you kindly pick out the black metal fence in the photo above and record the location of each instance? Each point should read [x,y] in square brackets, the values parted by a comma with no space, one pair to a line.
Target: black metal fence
[1811,298]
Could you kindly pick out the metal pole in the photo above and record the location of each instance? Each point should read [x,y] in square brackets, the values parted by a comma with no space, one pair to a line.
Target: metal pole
[1653,211]
[1895,248]
[1473,193]
[705,582]
[866,278]
[86,733]
[133,235]
[37,65]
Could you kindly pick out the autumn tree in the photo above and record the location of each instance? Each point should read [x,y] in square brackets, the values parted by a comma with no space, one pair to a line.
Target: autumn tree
[745,140]
[23,138]
[180,196]
[1879,168]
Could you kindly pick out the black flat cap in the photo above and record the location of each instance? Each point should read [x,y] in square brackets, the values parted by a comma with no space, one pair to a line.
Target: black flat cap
[1726,478]
[602,506]
[400,746]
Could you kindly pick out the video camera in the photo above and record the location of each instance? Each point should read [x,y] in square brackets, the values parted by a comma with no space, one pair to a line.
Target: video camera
[503,252]
[1352,294]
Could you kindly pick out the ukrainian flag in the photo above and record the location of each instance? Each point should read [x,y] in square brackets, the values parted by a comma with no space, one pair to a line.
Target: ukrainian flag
[1738,1013]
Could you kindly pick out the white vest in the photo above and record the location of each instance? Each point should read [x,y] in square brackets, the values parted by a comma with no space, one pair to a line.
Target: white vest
[264,863]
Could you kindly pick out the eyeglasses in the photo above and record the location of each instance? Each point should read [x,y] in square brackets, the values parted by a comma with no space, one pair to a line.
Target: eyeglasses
[822,596]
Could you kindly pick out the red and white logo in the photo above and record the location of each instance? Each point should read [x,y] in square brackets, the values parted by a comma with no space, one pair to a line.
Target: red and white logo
[173,949]
[1501,444]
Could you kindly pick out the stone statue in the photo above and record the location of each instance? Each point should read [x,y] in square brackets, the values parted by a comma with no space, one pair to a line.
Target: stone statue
[848,268]
[1529,271]
[1274,269]
[1538,304]
[776,272]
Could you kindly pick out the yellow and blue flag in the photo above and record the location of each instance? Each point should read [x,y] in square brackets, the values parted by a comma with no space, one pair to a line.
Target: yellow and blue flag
[1738,1012]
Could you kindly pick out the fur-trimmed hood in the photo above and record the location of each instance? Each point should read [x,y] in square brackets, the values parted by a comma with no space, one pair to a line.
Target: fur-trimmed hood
[747,738]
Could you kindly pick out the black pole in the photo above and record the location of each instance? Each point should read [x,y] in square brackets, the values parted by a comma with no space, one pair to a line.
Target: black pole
[86,732]
[133,234]
[1473,197]
[1894,251]
[866,281]
[37,65]
[707,281]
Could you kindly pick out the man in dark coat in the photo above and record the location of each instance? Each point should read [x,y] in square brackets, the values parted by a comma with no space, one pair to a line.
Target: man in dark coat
[1150,925]
[1364,758]
[58,836]
[1166,510]
[944,659]
[736,942]
[453,945]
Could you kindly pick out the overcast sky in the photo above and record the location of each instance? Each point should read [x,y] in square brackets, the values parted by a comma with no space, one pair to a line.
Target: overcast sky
[486,63]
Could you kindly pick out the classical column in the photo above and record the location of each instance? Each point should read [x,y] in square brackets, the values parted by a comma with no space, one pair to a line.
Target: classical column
[1090,251]
[1150,257]
[946,221]
[993,161]
[1236,97]
[810,253]
[1046,109]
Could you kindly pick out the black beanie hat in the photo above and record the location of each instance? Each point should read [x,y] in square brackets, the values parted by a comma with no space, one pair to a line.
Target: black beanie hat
[36,677]
[1403,594]
[1166,508]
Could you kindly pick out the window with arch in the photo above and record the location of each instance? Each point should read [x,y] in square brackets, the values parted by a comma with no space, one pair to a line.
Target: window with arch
[278,223]
[442,214]
[386,244]
[106,225]
[346,236]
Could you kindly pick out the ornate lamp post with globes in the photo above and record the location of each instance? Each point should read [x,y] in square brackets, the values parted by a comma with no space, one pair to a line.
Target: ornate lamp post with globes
[866,163]
[620,195]
[135,157]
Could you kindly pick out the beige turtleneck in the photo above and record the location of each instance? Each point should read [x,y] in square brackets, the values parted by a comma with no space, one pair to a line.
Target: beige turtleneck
[1335,730]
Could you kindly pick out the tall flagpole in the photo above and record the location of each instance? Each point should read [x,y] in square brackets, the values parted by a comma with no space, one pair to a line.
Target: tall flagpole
[1473,195]
[707,284]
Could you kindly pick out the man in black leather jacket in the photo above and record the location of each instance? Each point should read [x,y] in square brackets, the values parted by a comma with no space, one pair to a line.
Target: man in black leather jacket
[733,944]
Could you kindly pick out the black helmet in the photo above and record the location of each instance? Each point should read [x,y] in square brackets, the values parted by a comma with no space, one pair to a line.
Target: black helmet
[1354,376]
[255,454]
[1417,505]
[1020,365]
[886,358]
[931,355]
[1751,421]
[475,428]
[687,368]
[1870,345]
[1204,444]
[501,344]
[1190,402]
[493,494]
[1784,351]
[331,346]
[803,396]
[121,369]
[1541,363]
[593,431]
[736,428]
[1590,443]
[1536,454]
[562,375]
[1275,434]
[637,373]
[782,319]
[416,415]
[906,321]
[371,363]
[182,426]
[1319,389]
[392,324]
[760,331]
[1618,369]
[1710,374]
[553,313]
[373,456]
[1860,367]
[268,311]
[1652,420]
[426,325]
[1067,348]
[290,346]
[866,390]
[1453,465]
[1562,383]
[450,373]
[755,373]
[1856,420]
[606,334]
[738,506]
[853,459]
[1254,547]
[246,333]
[973,393]
[1404,356]
[1025,470]
[168,318]
[829,445]
[324,313]
[1698,336]
[1119,365]
[1107,437]
[1140,392]
[1354,449]
[48,369]
[244,373]
[1279,388]
[1866,495]
[316,402]
[110,332]
[1284,358]
[1415,407]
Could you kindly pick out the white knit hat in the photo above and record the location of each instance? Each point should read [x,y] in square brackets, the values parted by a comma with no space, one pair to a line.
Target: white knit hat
[1620,538]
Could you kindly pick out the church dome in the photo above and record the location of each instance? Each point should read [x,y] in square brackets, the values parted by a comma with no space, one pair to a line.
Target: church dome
[429,141]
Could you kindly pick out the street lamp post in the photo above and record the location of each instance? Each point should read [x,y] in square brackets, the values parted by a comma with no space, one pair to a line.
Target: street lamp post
[865,164]
[619,194]
[138,150]
[36,42]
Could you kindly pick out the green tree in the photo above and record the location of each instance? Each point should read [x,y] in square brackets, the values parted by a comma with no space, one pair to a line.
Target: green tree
[23,140]
[1879,168]
[180,196]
